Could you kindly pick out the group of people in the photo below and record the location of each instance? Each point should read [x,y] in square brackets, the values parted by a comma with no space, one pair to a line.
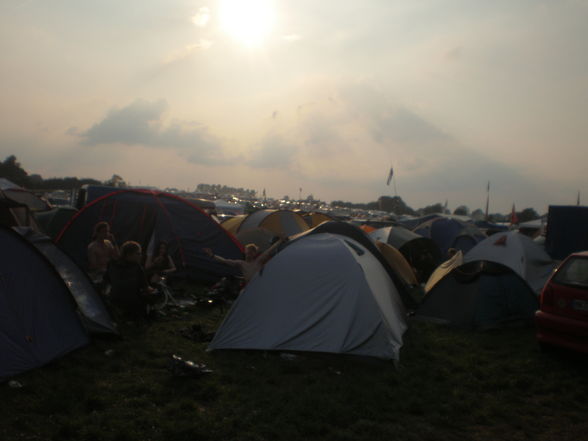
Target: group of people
[131,283]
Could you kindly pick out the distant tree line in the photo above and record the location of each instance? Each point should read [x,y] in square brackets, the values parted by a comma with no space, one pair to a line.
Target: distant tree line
[11,169]
[397,206]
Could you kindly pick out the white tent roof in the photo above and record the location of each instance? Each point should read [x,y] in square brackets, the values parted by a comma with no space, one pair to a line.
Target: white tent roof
[519,253]
[323,293]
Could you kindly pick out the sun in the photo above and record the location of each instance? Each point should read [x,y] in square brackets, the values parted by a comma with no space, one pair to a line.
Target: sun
[249,22]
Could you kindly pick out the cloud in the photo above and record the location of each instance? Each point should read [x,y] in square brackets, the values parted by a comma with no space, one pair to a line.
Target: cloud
[274,152]
[202,17]
[186,51]
[141,123]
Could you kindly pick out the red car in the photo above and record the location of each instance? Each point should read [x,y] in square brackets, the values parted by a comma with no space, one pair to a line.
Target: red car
[562,319]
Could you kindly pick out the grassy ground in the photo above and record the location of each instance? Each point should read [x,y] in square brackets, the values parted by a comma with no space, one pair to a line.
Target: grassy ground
[449,385]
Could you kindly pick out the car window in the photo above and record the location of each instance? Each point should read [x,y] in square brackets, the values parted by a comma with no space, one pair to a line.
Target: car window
[574,272]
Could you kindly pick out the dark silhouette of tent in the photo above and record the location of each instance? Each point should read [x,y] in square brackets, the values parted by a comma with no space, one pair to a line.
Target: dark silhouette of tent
[15,214]
[93,312]
[38,319]
[421,253]
[51,222]
[479,295]
[149,217]
[450,232]
[22,196]
[498,281]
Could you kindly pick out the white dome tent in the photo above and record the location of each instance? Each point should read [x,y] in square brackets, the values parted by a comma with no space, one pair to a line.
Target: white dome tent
[323,293]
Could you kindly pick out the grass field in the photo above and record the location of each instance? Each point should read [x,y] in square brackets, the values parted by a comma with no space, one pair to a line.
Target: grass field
[449,385]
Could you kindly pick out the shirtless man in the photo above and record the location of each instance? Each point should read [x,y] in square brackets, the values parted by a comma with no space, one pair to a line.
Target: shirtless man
[253,260]
[101,250]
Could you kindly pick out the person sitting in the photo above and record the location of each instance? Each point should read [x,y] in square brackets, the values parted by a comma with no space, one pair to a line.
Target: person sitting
[254,261]
[160,264]
[101,251]
[130,290]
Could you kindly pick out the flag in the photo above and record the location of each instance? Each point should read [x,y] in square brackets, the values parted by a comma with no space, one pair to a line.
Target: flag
[513,216]
[390,176]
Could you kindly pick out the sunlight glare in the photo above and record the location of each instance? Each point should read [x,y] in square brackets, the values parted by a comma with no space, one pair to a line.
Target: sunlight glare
[248,22]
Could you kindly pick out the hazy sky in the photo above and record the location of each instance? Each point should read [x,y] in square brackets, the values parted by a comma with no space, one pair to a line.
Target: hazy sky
[323,95]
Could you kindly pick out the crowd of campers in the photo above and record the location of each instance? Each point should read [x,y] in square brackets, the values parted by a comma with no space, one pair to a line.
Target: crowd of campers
[306,281]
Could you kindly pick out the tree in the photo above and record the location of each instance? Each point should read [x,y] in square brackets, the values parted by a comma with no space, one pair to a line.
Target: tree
[462,210]
[528,214]
[478,214]
[394,204]
[431,209]
[11,170]
[116,181]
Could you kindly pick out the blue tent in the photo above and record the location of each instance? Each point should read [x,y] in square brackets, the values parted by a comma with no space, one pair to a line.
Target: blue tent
[479,295]
[451,233]
[38,319]
[93,312]
[149,217]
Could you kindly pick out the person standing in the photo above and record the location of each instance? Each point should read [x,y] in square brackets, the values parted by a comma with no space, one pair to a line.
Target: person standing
[101,251]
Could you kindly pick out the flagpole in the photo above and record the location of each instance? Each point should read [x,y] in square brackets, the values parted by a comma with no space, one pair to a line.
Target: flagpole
[394,182]
[487,199]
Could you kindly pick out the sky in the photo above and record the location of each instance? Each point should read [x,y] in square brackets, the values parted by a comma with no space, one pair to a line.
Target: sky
[324,96]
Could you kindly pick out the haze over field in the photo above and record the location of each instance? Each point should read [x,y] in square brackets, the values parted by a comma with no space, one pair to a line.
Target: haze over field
[324,95]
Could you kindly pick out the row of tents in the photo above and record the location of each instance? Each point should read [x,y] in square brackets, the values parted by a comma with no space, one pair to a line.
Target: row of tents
[331,288]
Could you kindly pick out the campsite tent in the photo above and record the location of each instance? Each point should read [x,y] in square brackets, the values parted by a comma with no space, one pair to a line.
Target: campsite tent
[38,320]
[498,282]
[451,232]
[397,261]
[15,214]
[323,293]
[94,314]
[232,224]
[353,232]
[51,222]
[149,217]
[479,295]
[315,218]
[278,222]
[518,252]
[262,227]
[422,253]
[22,196]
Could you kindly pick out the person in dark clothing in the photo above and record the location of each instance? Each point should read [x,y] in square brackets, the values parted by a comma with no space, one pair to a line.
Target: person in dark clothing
[130,290]
[159,264]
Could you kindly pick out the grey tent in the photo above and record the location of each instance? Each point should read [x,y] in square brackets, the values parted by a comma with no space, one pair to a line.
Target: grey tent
[518,252]
[38,319]
[497,283]
[324,293]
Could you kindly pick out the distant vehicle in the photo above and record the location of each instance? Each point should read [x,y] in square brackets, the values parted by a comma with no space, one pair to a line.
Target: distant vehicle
[562,319]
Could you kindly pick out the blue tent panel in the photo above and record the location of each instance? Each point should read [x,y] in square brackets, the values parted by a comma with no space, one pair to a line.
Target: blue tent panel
[38,319]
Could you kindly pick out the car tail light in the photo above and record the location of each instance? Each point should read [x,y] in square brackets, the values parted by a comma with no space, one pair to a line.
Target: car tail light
[547,297]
